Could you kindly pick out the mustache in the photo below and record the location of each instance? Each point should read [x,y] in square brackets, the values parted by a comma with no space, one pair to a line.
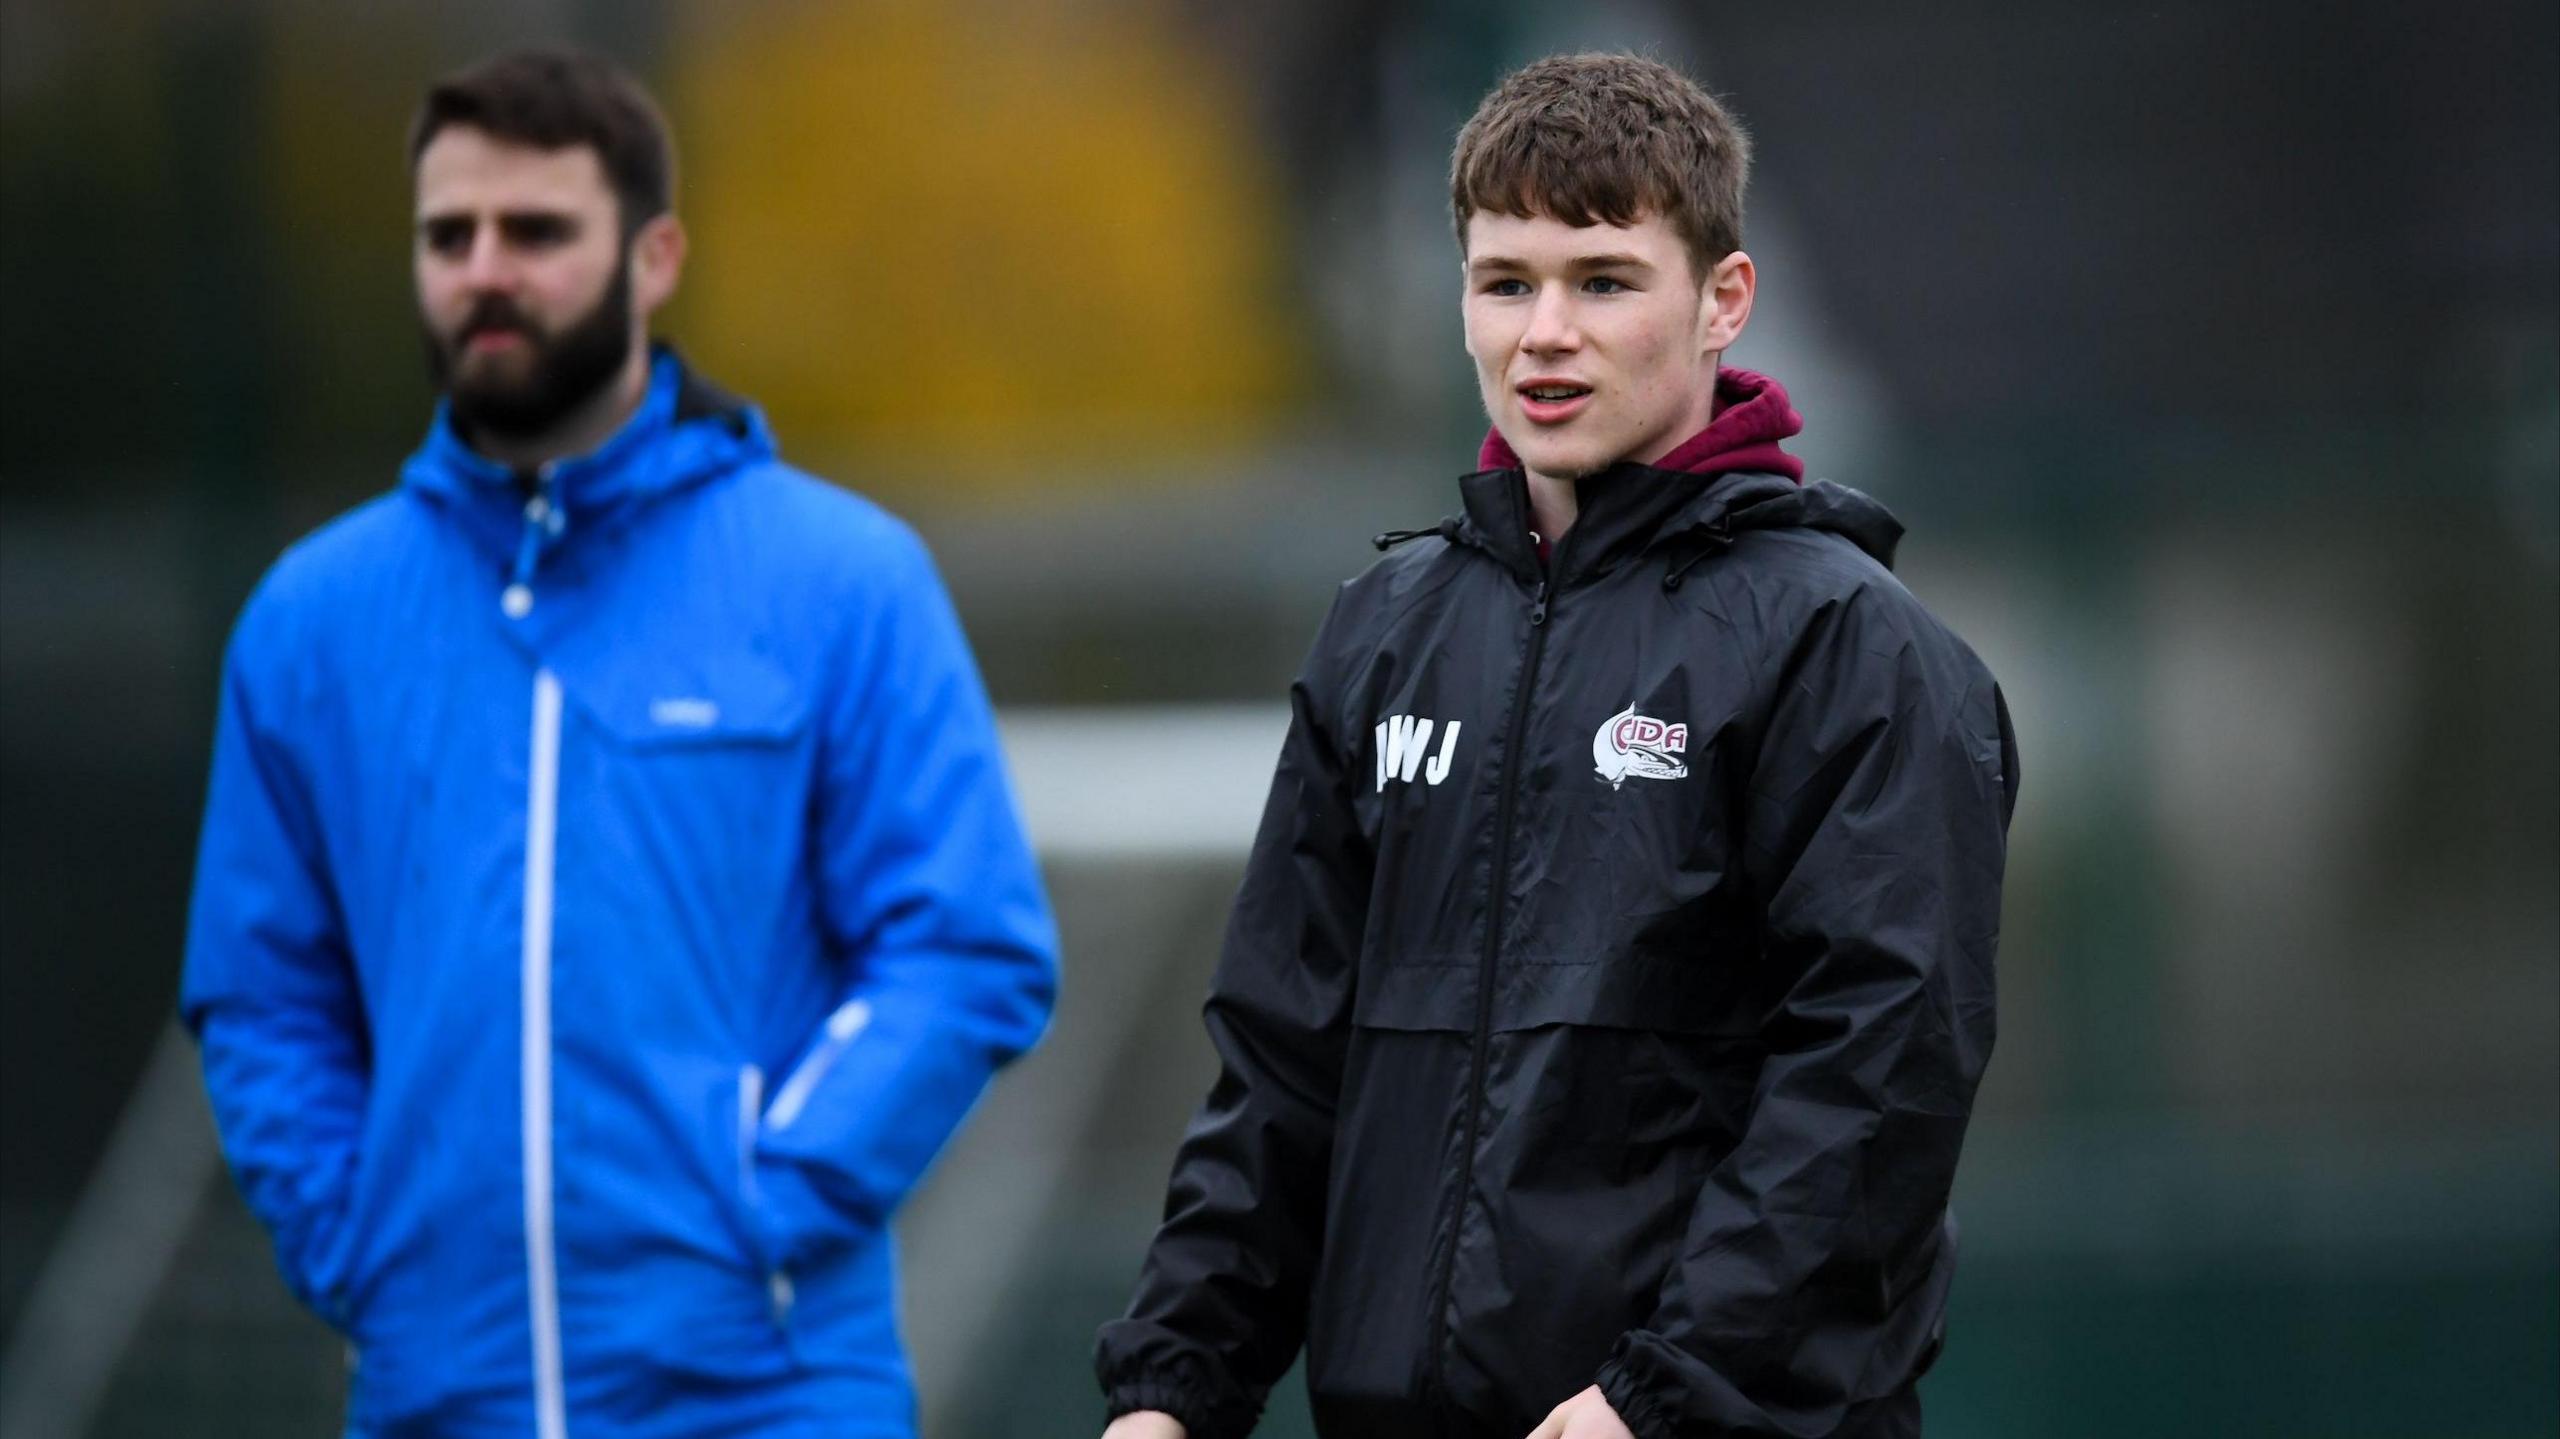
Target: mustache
[495,312]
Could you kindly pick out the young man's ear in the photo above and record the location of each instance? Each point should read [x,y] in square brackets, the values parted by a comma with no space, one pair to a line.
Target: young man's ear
[1724,301]
[657,262]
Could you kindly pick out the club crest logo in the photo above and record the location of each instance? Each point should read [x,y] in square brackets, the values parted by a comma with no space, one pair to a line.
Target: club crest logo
[1634,746]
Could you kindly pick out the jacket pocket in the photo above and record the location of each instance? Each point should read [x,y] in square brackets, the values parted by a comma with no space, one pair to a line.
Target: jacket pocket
[842,1028]
[764,1247]
[696,791]
[685,702]
[750,1122]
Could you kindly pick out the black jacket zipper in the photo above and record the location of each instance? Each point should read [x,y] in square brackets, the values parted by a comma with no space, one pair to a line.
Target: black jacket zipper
[1495,914]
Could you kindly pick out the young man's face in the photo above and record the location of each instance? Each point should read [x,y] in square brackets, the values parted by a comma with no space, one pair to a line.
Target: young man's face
[1597,343]
[524,284]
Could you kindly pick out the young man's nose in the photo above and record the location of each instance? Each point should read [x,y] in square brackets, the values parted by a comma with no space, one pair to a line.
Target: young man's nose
[1551,323]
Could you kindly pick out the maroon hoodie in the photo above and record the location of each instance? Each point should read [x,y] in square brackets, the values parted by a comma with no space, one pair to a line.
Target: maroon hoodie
[1752,418]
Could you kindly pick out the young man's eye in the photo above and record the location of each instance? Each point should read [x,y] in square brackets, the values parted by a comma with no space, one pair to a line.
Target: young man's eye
[1506,287]
[1605,285]
[446,237]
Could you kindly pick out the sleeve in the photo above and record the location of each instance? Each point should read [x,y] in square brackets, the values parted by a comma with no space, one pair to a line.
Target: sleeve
[1221,1301]
[928,890]
[270,994]
[1876,822]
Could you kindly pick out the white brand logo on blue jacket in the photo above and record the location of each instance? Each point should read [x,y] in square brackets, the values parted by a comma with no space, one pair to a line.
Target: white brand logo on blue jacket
[1402,742]
[1633,746]
[684,713]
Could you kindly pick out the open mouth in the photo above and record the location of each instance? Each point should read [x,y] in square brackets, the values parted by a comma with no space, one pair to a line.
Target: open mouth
[1549,402]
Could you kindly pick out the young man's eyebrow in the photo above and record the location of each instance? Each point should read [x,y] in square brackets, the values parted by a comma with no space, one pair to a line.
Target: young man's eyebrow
[1614,260]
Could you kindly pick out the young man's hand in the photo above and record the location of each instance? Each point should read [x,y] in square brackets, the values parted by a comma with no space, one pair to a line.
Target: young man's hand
[1146,1424]
[1584,1416]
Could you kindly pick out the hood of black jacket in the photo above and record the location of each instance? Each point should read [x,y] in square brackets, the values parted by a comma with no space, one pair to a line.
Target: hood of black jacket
[1628,511]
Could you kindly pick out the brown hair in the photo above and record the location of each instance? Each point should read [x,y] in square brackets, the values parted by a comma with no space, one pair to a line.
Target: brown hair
[1588,139]
[552,100]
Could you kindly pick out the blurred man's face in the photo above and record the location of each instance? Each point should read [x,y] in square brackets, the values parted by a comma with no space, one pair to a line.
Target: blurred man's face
[1594,344]
[524,283]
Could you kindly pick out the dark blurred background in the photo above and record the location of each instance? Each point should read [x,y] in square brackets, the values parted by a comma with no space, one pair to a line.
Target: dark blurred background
[2209,351]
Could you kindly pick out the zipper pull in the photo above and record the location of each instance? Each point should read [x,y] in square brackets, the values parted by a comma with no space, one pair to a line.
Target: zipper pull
[541,517]
[1538,606]
[541,510]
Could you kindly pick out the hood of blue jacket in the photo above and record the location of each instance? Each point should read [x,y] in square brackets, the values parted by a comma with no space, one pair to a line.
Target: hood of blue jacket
[685,431]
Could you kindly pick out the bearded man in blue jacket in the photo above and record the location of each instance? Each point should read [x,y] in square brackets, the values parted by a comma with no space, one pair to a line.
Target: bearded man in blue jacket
[610,897]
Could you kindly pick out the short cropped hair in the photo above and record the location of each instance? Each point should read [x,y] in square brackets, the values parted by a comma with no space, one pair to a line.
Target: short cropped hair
[1589,139]
[556,99]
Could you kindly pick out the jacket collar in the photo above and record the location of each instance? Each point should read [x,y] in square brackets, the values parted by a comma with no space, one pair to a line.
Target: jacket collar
[1632,509]
[1624,508]
[684,431]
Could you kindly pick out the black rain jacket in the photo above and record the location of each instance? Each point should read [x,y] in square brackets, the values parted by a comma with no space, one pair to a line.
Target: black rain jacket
[1608,987]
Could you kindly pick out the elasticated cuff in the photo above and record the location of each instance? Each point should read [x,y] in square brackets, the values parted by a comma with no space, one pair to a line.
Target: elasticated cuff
[1164,1399]
[1641,1412]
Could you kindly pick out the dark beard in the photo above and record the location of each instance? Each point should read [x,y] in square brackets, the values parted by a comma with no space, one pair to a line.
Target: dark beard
[569,367]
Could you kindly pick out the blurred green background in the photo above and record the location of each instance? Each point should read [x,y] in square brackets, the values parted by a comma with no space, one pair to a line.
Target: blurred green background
[2212,354]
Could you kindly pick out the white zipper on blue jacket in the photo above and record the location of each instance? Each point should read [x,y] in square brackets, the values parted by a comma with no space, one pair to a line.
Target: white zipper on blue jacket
[541,832]
[542,813]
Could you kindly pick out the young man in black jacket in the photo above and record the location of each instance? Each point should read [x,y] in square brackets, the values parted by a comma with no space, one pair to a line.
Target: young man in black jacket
[1605,999]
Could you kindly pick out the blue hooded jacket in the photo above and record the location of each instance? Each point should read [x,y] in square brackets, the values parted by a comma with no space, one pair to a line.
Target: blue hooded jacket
[609,901]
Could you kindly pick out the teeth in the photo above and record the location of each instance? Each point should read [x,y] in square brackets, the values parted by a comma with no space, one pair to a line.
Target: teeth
[1554,393]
